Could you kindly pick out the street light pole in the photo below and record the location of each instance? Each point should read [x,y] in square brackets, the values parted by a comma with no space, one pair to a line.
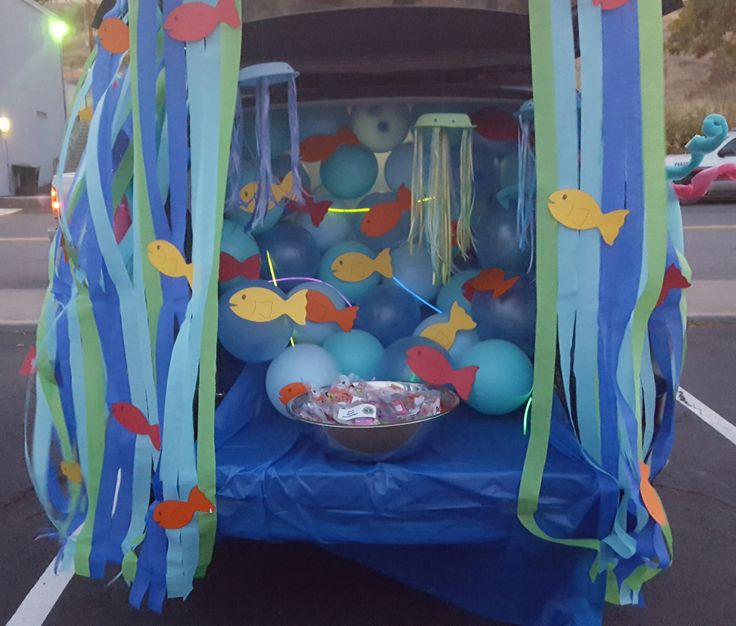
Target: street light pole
[4,130]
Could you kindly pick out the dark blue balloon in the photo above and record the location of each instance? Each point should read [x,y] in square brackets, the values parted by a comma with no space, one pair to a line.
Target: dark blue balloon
[388,313]
[496,239]
[293,250]
[393,366]
[399,166]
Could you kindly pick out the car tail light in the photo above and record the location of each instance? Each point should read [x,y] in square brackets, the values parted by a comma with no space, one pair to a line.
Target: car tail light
[55,204]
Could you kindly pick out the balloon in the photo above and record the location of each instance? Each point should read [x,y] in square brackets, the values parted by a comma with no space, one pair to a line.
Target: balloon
[237,243]
[509,170]
[293,251]
[388,313]
[395,237]
[393,364]
[356,352]
[511,317]
[504,378]
[452,291]
[303,363]
[273,215]
[281,166]
[380,127]
[313,332]
[464,339]
[485,170]
[280,134]
[414,270]
[352,291]
[253,342]
[399,166]
[350,172]
[334,228]
[322,120]
[496,240]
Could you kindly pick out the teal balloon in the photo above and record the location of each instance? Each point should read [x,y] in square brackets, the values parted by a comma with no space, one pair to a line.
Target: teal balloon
[381,127]
[333,229]
[251,342]
[322,120]
[236,242]
[393,365]
[293,251]
[388,313]
[303,363]
[414,270]
[399,166]
[352,291]
[313,332]
[280,134]
[393,238]
[356,352]
[504,378]
[350,172]
[464,339]
[452,291]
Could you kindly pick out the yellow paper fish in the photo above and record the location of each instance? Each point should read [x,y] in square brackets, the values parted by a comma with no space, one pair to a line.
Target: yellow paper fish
[578,210]
[278,190]
[444,333]
[352,267]
[167,259]
[71,470]
[85,115]
[258,304]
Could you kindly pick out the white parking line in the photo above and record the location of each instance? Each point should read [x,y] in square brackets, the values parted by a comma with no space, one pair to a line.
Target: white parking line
[6,212]
[37,605]
[708,415]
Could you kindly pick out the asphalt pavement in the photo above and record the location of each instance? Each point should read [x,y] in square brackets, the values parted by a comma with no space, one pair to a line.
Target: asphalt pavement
[264,584]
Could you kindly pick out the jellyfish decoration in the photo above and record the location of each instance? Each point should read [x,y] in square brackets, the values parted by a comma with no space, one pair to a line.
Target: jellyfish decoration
[432,189]
[262,77]
[527,177]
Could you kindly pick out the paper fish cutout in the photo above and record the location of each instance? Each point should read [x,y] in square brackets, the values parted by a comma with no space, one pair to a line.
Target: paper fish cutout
[701,182]
[352,267]
[492,280]
[492,123]
[231,268]
[385,216]
[258,304]
[316,210]
[28,367]
[85,114]
[578,210]
[279,191]
[444,333]
[291,391]
[173,514]
[194,21]
[131,418]
[167,259]
[121,221]
[673,279]
[609,5]
[433,368]
[114,35]
[72,470]
[650,497]
[322,310]
[322,147]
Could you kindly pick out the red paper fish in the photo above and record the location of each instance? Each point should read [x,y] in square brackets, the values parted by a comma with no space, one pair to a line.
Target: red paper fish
[492,280]
[114,35]
[650,497]
[130,418]
[433,368]
[231,268]
[173,514]
[609,5]
[28,367]
[492,123]
[196,20]
[673,279]
[322,310]
[701,182]
[321,147]
[121,222]
[291,391]
[316,210]
[385,216]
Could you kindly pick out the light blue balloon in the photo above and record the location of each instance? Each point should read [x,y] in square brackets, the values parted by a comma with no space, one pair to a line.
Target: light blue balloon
[252,342]
[393,365]
[399,166]
[393,238]
[352,291]
[313,332]
[356,352]
[322,120]
[504,378]
[380,127]
[414,270]
[464,339]
[236,242]
[452,291]
[350,172]
[303,363]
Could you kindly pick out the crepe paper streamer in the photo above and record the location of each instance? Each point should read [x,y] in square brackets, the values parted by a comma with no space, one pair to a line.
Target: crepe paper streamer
[415,295]
[431,218]
[434,368]
[261,77]
[701,182]
[195,21]
[275,281]
[715,129]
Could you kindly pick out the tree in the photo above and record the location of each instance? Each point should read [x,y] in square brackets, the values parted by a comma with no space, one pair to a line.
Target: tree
[707,28]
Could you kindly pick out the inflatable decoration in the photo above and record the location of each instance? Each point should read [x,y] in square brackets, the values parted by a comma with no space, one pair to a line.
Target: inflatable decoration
[356,352]
[380,127]
[350,171]
[388,313]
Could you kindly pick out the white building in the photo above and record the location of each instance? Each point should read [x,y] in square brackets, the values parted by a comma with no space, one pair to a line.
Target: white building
[31,92]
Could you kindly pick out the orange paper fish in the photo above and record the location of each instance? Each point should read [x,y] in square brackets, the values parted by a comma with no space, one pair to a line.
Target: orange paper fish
[609,5]
[492,280]
[385,216]
[114,35]
[322,147]
[673,279]
[173,514]
[131,418]
[433,368]
[194,21]
[322,310]
[291,391]
[72,470]
[650,497]
[316,210]
[28,367]
[231,268]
